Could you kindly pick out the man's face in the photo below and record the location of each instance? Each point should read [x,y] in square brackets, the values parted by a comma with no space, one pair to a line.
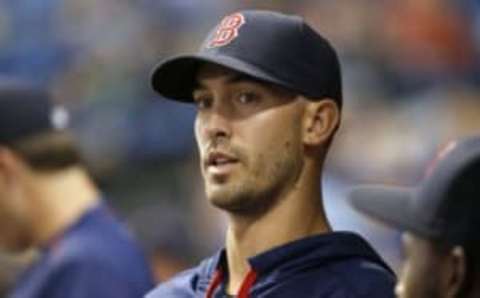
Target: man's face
[422,268]
[249,136]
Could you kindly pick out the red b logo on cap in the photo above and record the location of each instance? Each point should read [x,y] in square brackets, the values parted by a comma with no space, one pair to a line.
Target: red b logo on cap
[227,30]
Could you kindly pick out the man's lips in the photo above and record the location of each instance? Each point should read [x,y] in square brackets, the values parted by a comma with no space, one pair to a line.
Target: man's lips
[220,163]
[215,159]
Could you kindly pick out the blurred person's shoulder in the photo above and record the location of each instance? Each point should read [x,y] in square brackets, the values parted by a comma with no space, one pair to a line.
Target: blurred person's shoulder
[98,241]
[188,283]
[96,250]
[97,232]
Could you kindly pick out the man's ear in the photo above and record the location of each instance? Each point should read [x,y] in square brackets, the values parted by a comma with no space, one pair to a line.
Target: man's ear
[457,264]
[321,121]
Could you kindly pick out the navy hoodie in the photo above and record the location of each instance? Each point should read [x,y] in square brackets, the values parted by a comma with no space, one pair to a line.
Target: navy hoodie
[334,265]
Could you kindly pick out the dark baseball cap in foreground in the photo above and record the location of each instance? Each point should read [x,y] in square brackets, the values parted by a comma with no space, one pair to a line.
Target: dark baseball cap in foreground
[26,111]
[445,206]
[269,46]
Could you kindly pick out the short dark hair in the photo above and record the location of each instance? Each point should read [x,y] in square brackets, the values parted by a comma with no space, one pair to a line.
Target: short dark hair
[50,151]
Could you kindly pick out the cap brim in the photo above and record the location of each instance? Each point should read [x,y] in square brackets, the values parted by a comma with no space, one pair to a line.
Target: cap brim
[390,205]
[175,78]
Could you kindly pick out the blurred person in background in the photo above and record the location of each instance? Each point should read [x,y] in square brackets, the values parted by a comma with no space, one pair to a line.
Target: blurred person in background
[49,202]
[165,236]
[268,94]
[441,243]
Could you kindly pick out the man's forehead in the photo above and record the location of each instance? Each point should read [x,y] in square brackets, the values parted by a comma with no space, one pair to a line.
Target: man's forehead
[225,75]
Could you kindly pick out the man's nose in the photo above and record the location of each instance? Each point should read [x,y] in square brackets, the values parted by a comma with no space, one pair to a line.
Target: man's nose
[218,123]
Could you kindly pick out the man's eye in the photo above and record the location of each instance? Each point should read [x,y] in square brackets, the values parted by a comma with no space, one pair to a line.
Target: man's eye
[203,102]
[247,97]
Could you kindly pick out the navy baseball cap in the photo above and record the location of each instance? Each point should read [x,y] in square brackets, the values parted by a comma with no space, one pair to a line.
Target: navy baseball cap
[268,46]
[27,111]
[445,206]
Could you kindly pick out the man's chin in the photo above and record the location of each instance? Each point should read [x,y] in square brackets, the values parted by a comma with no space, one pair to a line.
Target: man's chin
[224,203]
[239,203]
[227,200]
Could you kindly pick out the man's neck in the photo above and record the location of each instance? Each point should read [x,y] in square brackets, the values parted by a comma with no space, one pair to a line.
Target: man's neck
[62,198]
[297,215]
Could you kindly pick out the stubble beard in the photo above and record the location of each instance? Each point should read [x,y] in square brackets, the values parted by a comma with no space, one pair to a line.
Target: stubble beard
[258,189]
